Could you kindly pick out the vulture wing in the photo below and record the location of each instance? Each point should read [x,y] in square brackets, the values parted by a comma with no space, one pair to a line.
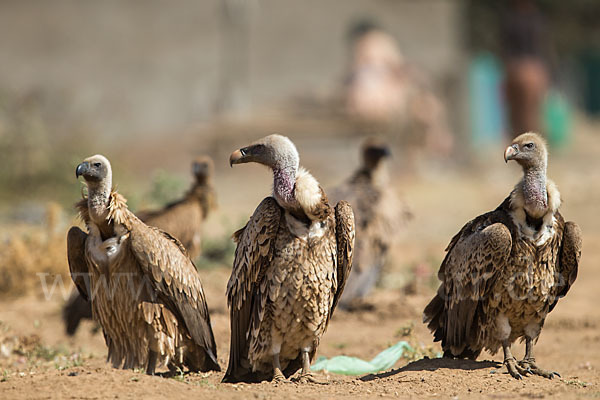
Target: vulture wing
[568,263]
[173,276]
[344,235]
[474,257]
[245,296]
[77,263]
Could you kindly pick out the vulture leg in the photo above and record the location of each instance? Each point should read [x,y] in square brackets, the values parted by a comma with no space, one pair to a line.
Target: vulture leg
[514,369]
[306,376]
[529,364]
[278,376]
[152,357]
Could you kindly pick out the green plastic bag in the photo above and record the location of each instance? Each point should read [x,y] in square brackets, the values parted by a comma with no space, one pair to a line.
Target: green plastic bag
[345,365]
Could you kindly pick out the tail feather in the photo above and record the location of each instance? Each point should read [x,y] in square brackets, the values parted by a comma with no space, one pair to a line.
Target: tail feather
[457,345]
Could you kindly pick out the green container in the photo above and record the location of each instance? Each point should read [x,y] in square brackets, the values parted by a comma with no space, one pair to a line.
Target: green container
[557,119]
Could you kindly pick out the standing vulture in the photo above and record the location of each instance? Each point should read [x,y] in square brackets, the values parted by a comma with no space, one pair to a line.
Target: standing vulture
[506,269]
[144,289]
[183,219]
[379,216]
[291,263]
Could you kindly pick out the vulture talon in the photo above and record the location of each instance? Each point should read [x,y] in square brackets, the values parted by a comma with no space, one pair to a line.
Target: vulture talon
[310,378]
[279,378]
[514,369]
[529,363]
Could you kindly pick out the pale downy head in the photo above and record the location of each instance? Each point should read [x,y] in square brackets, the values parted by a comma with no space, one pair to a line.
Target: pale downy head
[96,171]
[529,150]
[202,168]
[275,151]
[374,150]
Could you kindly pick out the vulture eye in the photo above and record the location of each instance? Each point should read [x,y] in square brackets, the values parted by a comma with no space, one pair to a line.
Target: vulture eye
[528,146]
[243,151]
[97,165]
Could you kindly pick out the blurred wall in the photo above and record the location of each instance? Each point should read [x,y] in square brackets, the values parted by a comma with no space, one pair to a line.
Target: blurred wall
[152,66]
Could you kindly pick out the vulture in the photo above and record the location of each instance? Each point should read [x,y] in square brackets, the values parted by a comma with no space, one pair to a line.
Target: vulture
[505,270]
[182,218]
[379,215]
[144,290]
[291,263]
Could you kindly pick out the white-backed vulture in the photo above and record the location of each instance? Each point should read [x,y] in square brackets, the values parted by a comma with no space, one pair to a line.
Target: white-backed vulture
[506,269]
[182,219]
[291,263]
[144,289]
[379,214]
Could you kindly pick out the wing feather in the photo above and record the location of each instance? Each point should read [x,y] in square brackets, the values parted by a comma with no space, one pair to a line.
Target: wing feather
[254,252]
[468,272]
[344,234]
[76,257]
[174,277]
[568,262]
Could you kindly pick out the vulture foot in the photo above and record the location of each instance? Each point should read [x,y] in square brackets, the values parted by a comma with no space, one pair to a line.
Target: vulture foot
[308,377]
[278,377]
[530,365]
[514,369]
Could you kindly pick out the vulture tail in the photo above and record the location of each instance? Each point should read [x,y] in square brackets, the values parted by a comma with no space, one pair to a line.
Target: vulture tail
[434,316]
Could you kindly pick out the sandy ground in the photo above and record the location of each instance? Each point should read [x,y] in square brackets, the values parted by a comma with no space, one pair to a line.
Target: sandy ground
[442,200]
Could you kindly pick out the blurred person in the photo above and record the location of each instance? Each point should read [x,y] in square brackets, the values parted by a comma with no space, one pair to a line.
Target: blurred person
[376,89]
[524,43]
[383,88]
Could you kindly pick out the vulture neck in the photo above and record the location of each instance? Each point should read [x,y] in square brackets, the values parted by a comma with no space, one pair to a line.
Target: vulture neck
[534,191]
[378,174]
[98,200]
[202,180]
[284,183]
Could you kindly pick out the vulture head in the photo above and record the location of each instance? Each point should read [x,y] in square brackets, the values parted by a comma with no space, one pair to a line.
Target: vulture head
[275,151]
[202,168]
[374,150]
[95,170]
[529,150]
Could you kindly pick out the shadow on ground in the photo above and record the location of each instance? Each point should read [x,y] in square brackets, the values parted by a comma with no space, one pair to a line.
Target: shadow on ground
[433,364]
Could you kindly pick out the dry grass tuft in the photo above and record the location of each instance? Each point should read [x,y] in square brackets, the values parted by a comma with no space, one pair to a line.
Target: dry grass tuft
[37,250]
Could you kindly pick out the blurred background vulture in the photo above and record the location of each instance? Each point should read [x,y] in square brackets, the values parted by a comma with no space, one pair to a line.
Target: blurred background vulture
[506,269]
[144,289]
[291,262]
[380,215]
[182,218]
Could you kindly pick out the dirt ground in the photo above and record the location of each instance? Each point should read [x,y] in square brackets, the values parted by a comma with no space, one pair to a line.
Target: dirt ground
[37,360]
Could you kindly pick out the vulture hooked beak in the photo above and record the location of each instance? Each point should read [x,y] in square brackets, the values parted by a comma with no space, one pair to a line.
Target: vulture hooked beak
[239,156]
[199,169]
[385,152]
[82,169]
[511,152]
